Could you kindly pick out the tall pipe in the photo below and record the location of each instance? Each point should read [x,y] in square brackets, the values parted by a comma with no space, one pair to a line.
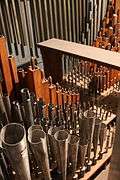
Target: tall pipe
[3,112]
[83,144]
[38,144]
[52,142]
[96,138]
[7,103]
[102,136]
[13,139]
[73,152]
[62,138]
[29,114]
[90,115]
[34,127]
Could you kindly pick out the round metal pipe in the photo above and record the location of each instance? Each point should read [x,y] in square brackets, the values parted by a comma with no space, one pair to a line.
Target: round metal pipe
[73,152]
[90,115]
[62,138]
[52,142]
[96,137]
[13,139]
[34,127]
[102,137]
[38,144]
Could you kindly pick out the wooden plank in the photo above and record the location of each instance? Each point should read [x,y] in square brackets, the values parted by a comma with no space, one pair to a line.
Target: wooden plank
[52,64]
[4,63]
[99,164]
[118,4]
[13,69]
[87,52]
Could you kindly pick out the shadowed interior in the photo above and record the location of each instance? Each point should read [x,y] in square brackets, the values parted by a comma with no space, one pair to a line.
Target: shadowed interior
[74,139]
[34,127]
[12,133]
[36,135]
[61,135]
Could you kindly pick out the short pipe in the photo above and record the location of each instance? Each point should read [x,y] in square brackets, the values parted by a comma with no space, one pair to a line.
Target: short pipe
[38,144]
[13,138]
[62,138]
[73,152]
[52,142]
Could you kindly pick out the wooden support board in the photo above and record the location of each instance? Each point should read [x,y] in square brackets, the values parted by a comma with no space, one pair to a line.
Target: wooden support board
[109,118]
[84,51]
[4,64]
[99,164]
[118,4]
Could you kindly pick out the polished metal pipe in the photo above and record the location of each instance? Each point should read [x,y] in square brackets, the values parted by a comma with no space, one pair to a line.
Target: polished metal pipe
[102,137]
[7,103]
[62,138]
[29,114]
[34,127]
[82,151]
[16,111]
[96,138]
[52,142]
[38,144]
[73,152]
[90,115]
[3,112]
[13,139]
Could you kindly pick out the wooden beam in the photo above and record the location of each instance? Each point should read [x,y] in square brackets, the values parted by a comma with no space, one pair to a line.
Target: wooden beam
[57,47]
[99,164]
[52,64]
[4,63]
[117,4]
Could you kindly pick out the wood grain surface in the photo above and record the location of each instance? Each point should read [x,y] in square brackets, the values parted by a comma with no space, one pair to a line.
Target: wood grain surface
[87,52]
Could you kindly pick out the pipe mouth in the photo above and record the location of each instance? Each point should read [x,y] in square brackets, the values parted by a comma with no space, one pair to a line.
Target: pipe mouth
[12,134]
[61,135]
[74,139]
[97,121]
[53,130]
[35,136]
[34,127]
[89,114]
[103,125]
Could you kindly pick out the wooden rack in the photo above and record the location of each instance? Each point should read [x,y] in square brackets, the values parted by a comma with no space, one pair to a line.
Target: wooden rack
[52,51]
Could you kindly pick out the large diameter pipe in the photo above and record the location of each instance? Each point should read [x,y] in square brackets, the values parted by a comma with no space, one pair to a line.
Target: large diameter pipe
[73,152]
[13,139]
[53,142]
[38,144]
[34,127]
[62,138]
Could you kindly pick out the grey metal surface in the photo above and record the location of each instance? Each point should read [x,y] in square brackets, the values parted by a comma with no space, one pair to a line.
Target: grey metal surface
[27,22]
[13,139]
[62,138]
[38,144]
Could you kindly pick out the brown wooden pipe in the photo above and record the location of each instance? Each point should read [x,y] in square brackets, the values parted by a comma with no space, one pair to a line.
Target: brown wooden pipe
[4,63]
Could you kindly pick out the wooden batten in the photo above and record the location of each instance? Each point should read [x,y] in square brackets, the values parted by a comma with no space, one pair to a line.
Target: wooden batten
[34,81]
[4,63]
[52,93]
[45,91]
[13,69]
[59,97]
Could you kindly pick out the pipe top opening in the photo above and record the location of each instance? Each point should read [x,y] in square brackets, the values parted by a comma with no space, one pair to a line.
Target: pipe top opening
[36,136]
[61,135]
[12,134]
